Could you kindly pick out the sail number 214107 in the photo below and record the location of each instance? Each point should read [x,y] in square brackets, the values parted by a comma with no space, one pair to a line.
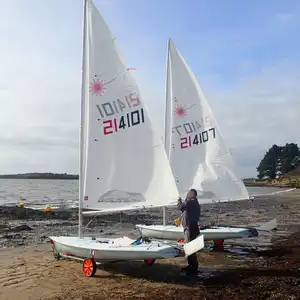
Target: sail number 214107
[199,138]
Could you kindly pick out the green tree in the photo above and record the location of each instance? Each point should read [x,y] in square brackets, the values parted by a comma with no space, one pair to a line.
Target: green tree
[289,157]
[279,160]
[268,166]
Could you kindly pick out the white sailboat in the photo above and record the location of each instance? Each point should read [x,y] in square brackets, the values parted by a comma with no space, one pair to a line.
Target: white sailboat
[197,153]
[122,159]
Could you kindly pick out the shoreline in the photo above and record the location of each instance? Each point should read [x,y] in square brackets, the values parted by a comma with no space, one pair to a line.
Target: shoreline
[65,222]
[39,176]
[269,270]
[65,176]
[269,185]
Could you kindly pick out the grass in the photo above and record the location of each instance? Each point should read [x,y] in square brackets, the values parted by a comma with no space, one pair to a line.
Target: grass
[292,181]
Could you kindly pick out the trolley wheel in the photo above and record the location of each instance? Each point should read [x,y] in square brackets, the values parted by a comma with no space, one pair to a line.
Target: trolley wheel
[55,253]
[218,244]
[89,267]
[149,261]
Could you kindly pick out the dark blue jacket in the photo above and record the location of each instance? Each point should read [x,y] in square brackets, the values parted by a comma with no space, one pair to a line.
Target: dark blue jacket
[190,213]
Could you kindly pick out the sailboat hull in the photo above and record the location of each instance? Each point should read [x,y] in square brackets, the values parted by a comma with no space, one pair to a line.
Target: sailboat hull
[111,250]
[171,232]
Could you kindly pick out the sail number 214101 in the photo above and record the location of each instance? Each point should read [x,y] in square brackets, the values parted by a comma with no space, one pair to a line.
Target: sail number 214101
[130,119]
[199,138]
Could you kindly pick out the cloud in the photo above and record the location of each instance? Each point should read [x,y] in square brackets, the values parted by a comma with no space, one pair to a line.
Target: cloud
[40,87]
[285,20]
[253,96]
[262,111]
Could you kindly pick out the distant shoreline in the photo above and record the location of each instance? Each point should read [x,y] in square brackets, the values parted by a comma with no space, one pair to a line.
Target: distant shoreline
[267,185]
[64,176]
[58,176]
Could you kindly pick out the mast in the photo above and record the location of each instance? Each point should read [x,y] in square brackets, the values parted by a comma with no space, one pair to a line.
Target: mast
[82,117]
[167,106]
[167,114]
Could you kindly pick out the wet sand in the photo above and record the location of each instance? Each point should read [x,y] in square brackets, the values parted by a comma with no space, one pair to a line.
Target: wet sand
[31,272]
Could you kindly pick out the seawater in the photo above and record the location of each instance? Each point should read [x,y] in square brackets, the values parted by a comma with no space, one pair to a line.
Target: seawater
[38,193]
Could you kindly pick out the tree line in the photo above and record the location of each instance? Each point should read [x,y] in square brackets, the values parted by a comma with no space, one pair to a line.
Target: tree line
[278,161]
[41,176]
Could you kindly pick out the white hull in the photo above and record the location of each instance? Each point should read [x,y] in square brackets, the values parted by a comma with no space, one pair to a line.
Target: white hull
[175,233]
[110,250]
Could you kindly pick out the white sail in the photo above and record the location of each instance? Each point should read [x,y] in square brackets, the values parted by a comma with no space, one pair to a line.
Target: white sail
[198,155]
[125,164]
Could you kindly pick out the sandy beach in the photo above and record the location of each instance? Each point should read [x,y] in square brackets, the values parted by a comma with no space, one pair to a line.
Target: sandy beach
[269,267]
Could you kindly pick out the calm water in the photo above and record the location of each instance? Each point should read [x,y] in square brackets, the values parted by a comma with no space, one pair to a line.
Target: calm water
[63,193]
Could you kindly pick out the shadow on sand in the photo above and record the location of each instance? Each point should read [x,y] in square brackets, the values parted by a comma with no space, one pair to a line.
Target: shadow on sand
[170,273]
[160,272]
[236,276]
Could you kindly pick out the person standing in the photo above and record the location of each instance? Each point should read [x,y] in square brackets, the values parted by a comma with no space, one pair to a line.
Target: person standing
[190,216]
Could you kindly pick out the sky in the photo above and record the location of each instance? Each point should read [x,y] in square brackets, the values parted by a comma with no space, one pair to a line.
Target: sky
[245,54]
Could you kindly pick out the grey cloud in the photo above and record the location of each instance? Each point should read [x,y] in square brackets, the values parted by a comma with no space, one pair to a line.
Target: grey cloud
[42,137]
[259,112]
[25,159]
[250,153]
[39,118]
[252,124]
[38,142]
